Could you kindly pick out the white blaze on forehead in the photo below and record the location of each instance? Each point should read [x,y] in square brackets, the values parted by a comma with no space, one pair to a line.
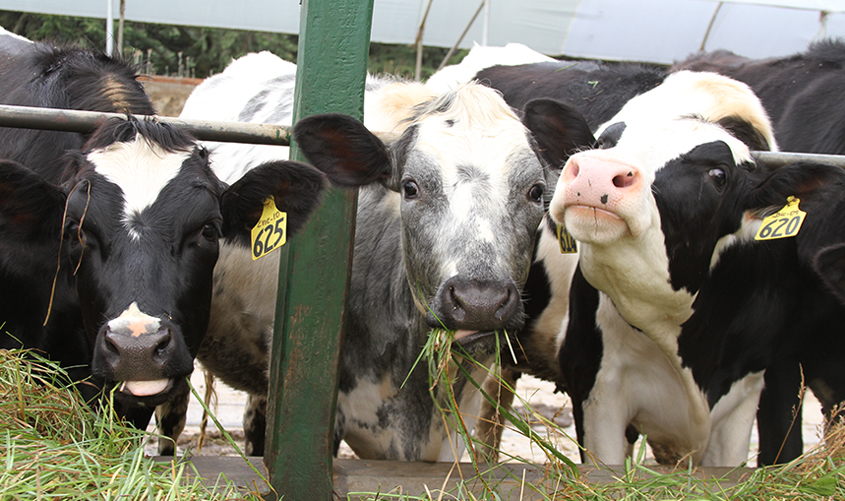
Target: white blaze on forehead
[135,321]
[477,133]
[140,169]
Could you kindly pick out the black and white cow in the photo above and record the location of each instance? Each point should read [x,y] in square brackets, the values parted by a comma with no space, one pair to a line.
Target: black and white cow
[107,249]
[444,238]
[662,206]
[803,95]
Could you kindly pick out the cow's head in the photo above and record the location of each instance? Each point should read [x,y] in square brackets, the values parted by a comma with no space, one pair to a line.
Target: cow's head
[469,190]
[662,187]
[138,223]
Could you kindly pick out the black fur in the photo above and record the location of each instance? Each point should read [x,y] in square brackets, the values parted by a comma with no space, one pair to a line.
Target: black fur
[596,90]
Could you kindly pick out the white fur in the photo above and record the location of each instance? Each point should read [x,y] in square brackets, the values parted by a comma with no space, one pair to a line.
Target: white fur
[638,384]
[141,170]
[732,418]
[479,58]
[7,33]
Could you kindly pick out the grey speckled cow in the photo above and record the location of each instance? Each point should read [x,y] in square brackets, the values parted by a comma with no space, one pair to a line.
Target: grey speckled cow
[446,234]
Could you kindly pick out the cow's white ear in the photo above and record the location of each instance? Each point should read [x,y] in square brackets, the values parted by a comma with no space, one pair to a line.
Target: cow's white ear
[343,148]
[560,131]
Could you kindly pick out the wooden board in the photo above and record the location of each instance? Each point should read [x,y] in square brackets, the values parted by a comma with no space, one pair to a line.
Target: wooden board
[512,482]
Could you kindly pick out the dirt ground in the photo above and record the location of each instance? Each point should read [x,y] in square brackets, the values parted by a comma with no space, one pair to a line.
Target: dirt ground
[538,397]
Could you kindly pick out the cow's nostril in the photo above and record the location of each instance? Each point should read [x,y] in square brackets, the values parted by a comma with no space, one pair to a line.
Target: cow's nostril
[111,345]
[162,345]
[624,180]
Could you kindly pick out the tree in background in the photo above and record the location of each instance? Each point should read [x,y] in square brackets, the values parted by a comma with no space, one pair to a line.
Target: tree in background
[200,52]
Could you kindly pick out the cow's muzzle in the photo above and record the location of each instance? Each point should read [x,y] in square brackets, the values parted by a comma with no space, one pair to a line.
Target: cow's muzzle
[475,305]
[143,363]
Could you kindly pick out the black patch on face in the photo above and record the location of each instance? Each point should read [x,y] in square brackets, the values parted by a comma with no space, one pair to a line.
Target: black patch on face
[695,210]
[611,135]
[745,132]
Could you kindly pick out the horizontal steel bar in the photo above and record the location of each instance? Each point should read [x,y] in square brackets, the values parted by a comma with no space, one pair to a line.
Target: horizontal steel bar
[86,121]
[780,158]
[241,132]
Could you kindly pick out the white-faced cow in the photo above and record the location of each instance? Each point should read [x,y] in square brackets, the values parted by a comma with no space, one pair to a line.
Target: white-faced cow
[803,95]
[662,207]
[444,238]
[597,91]
[113,243]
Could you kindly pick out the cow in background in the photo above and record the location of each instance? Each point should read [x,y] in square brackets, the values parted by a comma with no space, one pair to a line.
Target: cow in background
[108,242]
[444,238]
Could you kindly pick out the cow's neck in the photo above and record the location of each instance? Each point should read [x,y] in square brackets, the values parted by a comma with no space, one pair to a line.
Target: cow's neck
[635,275]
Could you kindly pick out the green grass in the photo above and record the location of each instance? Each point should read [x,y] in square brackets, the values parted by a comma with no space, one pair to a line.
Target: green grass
[817,475]
[52,446]
[55,447]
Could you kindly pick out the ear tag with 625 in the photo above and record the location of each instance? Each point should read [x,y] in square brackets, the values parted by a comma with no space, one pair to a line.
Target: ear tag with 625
[784,223]
[270,232]
[566,241]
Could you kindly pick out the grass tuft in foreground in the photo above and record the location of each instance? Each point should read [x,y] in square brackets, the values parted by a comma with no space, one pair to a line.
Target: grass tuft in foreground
[818,475]
[55,447]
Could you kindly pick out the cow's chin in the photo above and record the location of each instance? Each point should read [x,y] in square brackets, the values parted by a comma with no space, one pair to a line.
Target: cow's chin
[475,343]
[148,393]
[594,225]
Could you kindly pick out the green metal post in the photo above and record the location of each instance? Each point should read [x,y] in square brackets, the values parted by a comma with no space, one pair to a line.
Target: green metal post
[334,40]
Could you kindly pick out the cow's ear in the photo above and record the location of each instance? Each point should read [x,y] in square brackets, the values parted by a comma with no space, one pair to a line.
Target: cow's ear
[829,264]
[295,187]
[559,130]
[30,207]
[809,182]
[343,148]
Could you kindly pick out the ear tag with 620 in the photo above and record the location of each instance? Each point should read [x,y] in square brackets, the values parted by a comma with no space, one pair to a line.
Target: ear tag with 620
[784,223]
[270,232]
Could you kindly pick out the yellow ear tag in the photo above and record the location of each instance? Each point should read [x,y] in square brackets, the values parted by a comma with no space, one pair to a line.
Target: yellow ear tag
[270,232]
[784,223]
[566,241]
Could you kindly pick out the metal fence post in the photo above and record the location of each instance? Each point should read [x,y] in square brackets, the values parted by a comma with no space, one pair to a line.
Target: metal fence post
[314,276]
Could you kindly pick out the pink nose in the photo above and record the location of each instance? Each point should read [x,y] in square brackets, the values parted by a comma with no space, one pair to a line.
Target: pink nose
[600,183]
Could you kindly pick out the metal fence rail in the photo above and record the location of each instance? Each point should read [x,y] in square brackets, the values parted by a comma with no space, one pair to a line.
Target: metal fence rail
[27,117]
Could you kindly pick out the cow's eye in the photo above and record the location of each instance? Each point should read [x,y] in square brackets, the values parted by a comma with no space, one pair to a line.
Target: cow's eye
[536,192]
[210,231]
[410,190]
[719,177]
[73,233]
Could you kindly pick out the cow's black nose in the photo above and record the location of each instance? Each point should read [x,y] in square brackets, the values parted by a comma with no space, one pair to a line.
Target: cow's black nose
[138,357]
[476,305]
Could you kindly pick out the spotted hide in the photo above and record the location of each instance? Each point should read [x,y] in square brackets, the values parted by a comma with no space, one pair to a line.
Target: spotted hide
[444,237]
